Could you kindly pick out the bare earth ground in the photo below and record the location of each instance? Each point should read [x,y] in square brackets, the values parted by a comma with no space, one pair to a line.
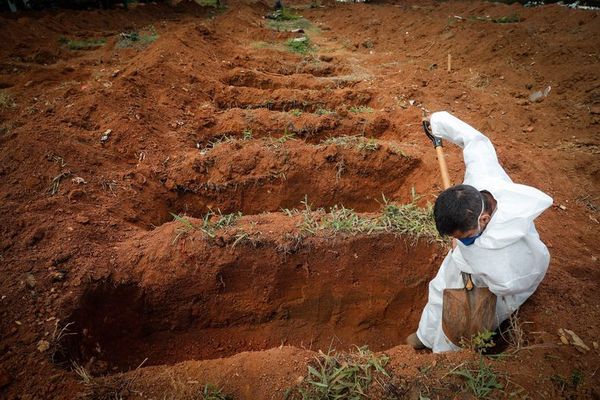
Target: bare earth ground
[89,242]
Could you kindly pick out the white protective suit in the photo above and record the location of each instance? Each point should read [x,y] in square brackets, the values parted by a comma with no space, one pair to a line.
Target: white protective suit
[509,256]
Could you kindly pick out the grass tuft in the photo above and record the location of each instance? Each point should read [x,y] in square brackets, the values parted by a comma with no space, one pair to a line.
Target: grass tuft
[360,109]
[211,223]
[247,134]
[284,14]
[341,219]
[507,19]
[290,25]
[215,142]
[309,223]
[405,219]
[324,111]
[397,150]
[137,39]
[6,100]
[276,142]
[479,343]
[83,44]
[342,375]
[409,219]
[83,373]
[480,381]
[369,145]
[301,45]
[360,143]
[58,352]
[211,392]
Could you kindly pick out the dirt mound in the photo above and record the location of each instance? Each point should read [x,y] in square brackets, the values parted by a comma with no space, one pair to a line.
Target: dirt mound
[267,175]
[313,127]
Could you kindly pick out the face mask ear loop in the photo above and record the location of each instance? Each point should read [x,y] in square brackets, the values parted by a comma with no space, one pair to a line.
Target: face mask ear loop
[480,214]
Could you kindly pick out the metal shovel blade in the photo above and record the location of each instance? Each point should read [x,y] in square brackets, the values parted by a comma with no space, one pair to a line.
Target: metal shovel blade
[466,313]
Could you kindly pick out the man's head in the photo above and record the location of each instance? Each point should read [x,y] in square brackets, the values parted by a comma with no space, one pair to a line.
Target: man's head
[461,211]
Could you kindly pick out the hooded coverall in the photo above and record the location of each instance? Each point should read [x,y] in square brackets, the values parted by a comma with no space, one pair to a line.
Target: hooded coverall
[508,257]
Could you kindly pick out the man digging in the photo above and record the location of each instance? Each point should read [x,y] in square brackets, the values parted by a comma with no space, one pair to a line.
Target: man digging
[495,240]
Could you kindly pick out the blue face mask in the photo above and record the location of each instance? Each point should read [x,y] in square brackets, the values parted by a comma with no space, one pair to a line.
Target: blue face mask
[470,240]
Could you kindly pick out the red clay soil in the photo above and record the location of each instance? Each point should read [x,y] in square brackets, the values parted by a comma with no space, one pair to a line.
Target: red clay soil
[254,295]
[258,176]
[217,114]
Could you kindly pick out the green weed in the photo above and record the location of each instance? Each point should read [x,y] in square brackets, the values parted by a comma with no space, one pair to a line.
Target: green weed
[83,44]
[83,373]
[211,392]
[262,45]
[369,145]
[276,142]
[341,219]
[324,111]
[360,109]
[284,14]
[309,223]
[360,143]
[409,219]
[480,342]
[481,381]
[299,45]
[240,237]
[268,104]
[507,19]
[560,381]
[563,383]
[137,39]
[344,141]
[342,375]
[405,219]
[296,112]
[211,223]
[247,134]
[576,378]
[398,150]
[215,142]
[6,100]
[289,212]
[290,25]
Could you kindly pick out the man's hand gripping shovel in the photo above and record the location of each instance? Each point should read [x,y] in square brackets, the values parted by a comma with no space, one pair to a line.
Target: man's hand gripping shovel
[471,310]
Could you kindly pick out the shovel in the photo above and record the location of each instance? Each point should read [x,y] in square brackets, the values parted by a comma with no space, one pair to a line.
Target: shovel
[471,310]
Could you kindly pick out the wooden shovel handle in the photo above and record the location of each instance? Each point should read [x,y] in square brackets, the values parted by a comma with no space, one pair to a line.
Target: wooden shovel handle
[443,166]
[467,281]
[437,143]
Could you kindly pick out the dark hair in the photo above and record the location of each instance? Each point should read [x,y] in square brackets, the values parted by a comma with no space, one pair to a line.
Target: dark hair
[457,209]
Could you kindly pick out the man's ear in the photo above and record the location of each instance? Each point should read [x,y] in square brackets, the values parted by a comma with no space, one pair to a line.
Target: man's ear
[485,218]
